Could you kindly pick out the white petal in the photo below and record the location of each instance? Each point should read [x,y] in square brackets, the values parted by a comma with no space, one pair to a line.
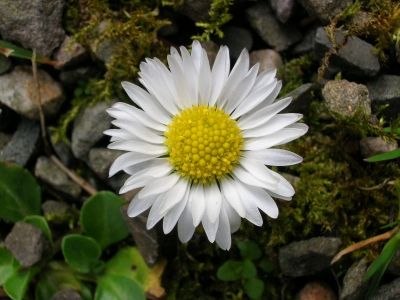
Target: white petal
[139,147]
[274,157]
[120,134]
[141,132]
[185,224]
[264,78]
[234,218]
[219,74]
[154,216]
[128,159]
[175,54]
[131,170]
[232,196]
[300,126]
[137,206]
[197,55]
[172,216]
[159,185]
[180,82]
[252,213]
[272,194]
[210,228]
[264,201]
[259,171]
[205,79]
[278,138]
[198,203]
[174,195]
[275,124]
[223,236]
[284,187]
[141,183]
[214,201]
[191,76]
[156,172]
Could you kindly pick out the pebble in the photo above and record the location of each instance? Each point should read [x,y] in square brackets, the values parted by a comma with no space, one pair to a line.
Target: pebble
[5,64]
[390,291]
[354,287]
[56,212]
[236,38]
[283,9]
[301,99]
[105,50]
[360,19]
[70,55]
[18,91]
[316,291]
[307,43]
[62,149]
[33,24]
[325,10]
[196,10]
[279,36]
[67,294]
[268,59]
[375,145]
[28,244]
[308,257]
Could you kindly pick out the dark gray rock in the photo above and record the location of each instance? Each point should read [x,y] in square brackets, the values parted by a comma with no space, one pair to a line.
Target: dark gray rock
[375,145]
[73,76]
[316,290]
[56,212]
[278,35]
[354,59]
[25,143]
[50,173]
[236,38]
[70,55]
[307,43]
[211,49]
[308,257]
[105,50]
[283,9]
[394,266]
[325,9]
[88,129]
[196,10]
[146,240]
[9,119]
[62,149]
[302,98]
[18,91]
[5,64]
[4,140]
[67,294]
[354,287]
[390,291]
[34,24]
[168,30]
[345,98]
[28,244]
[268,59]
[385,90]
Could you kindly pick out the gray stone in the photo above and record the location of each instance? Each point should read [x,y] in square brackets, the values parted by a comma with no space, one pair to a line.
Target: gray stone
[34,24]
[19,92]
[308,257]
[385,90]
[4,140]
[8,119]
[196,10]
[394,265]
[56,212]
[62,149]
[345,98]
[390,291]
[325,9]
[278,35]
[105,50]
[88,129]
[301,99]
[268,59]
[354,59]
[146,240]
[28,244]
[316,290]
[50,173]
[24,144]
[70,55]
[354,287]
[168,30]
[360,19]
[73,76]
[236,38]
[283,9]
[307,43]
[375,145]
[211,49]
[67,294]
[5,64]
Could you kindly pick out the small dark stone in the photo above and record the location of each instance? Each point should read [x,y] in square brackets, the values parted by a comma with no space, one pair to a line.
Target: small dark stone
[67,294]
[168,30]
[196,10]
[73,76]
[5,64]
[70,56]
[375,145]
[105,50]
[390,291]
[28,244]
[25,143]
[325,10]
[308,257]
[307,43]
[302,98]
[283,9]
[62,149]
[236,38]
[56,212]
[316,291]
[268,59]
[360,19]
[354,287]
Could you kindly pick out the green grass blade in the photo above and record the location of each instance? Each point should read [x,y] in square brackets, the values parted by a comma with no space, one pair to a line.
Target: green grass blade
[384,156]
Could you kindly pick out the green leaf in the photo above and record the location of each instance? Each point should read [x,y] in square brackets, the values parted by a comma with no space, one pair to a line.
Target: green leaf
[384,156]
[6,265]
[266,265]
[390,225]
[254,288]
[17,284]
[118,287]
[41,223]
[78,92]
[101,219]
[249,250]
[19,193]
[230,271]
[389,130]
[249,269]
[81,252]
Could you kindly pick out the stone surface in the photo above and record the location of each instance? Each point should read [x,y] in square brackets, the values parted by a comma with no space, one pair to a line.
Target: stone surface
[88,129]
[56,212]
[18,91]
[62,149]
[308,257]
[67,294]
[73,76]
[70,55]
[301,99]
[354,59]
[354,287]
[50,173]
[25,143]
[5,64]
[196,10]
[9,119]
[236,38]
[325,9]
[375,145]
[33,24]
[211,49]
[28,244]
[390,291]
[385,90]
[146,240]
[360,19]
[316,291]
[283,9]
[105,50]
[278,35]
[268,59]
[345,98]
[4,140]
[307,43]
[394,265]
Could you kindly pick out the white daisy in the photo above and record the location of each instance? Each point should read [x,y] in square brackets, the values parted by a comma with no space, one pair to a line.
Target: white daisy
[200,142]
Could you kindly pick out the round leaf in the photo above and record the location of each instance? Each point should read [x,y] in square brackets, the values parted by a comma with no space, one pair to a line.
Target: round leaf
[16,285]
[6,265]
[249,270]
[101,219]
[41,223]
[254,288]
[19,193]
[266,265]
[118,287]
[249,250]
[230,271]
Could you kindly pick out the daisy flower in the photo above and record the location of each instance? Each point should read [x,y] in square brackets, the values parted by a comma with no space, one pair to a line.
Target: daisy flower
[200,143]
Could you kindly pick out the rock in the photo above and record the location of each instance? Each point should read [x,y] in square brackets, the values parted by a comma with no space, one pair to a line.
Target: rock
[394,265]
[196,10]
[268,59]
[278,35]
[316,291]
[28,244]
[70,55]
[307,43]
[236,38]
[25,143]
[354,287]
[18,91]
[9,119]
[34,24]
[360,19]
[345,98]
[283,9]
[375,145]
[67,294]
[302,98]
[308,257]
[4,140]
[5,64]
[354,59]
[325,10]
[385,90]
[56,212]
[105,50]
[50,173]
[168,30]
[211,49]
[146,240]
[62,149]
[88,129]
[390,291]
[73,76]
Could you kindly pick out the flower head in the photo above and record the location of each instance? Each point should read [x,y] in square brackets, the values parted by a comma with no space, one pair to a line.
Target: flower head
[201,141]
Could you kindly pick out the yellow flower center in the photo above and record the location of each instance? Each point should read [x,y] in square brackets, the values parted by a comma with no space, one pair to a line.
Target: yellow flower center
[203,143]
